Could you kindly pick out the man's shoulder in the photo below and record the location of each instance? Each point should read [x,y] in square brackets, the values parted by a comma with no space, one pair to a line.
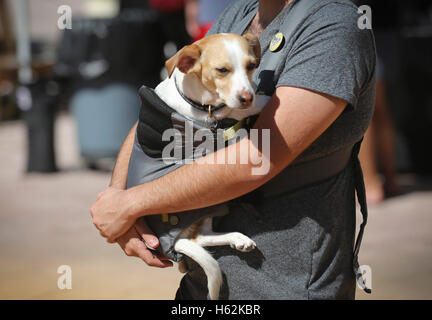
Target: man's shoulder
[234,13]
[338,20]
[339,12]
[242,7]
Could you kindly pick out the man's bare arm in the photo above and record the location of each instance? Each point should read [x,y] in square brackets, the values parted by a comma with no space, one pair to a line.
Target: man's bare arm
[120,171]
[296,118]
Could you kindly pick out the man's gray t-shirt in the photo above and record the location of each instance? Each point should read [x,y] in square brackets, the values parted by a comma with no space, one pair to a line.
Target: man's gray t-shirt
[304,238]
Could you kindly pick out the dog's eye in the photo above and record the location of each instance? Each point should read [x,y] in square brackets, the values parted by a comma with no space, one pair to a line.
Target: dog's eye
[222,70]
[250,66]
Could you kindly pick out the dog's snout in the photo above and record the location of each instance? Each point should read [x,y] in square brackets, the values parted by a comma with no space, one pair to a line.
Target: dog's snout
[245,98]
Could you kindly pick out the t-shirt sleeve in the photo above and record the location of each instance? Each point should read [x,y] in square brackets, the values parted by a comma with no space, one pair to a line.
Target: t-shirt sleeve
[331,55]
[230,16]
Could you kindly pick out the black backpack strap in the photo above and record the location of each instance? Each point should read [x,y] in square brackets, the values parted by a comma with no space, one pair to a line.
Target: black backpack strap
[307,173]
[297,14]
[361,197]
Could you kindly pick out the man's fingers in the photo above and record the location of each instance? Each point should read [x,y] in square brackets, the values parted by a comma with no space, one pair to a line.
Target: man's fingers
[153,259]
[150,239]
[138,249]
[146,234]
[134,247]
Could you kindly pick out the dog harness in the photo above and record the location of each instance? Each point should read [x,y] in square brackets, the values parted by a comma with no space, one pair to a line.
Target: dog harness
[147,160]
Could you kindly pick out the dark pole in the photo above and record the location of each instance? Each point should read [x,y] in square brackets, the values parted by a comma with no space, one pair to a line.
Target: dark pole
[34,100]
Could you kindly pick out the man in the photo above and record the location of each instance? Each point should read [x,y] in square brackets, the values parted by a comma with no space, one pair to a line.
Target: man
[322,102]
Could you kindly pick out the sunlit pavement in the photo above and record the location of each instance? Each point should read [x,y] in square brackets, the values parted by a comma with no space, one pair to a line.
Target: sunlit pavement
[45,223]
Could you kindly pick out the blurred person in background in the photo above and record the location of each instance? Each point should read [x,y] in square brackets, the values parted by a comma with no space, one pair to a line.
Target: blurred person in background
[200,15]
[377,154]
[172,20]
[378,148]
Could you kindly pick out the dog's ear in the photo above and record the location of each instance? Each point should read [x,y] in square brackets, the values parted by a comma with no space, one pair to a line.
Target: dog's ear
[255,46]
[186,60]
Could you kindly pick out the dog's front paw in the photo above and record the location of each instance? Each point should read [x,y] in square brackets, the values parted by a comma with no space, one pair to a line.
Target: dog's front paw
[242,243]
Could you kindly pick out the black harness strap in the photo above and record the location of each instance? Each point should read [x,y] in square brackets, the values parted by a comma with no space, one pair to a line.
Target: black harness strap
[304,174]
[361,197]
[296,16]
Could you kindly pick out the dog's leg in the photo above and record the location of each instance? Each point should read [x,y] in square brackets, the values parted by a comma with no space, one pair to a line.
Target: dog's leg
[237,240]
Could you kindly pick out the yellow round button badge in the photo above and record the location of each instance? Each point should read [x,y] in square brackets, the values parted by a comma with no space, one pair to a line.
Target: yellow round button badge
[276,42]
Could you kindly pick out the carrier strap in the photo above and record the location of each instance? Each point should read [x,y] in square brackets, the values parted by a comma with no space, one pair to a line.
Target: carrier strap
[307,173]
[361,198]
[297,15]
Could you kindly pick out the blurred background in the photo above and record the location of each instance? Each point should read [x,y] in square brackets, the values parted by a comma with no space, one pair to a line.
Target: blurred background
[69,75]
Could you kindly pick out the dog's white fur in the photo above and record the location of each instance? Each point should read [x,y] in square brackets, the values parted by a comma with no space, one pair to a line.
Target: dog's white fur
[234,53]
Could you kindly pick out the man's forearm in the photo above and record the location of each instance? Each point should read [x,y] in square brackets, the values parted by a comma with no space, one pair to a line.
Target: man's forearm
[181,190]
[120,171]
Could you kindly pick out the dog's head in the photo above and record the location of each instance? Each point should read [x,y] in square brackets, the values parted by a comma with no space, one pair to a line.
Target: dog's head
[224,63]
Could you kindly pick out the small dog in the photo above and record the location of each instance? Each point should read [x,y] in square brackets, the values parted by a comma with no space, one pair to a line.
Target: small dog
[214,71]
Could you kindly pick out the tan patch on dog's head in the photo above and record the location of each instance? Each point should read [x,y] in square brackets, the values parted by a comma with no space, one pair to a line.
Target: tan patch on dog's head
[223,62]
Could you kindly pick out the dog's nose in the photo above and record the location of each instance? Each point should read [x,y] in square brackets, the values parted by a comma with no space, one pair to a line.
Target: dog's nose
[245,98]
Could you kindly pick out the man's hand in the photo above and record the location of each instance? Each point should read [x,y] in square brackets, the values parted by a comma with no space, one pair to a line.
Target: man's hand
[132,241]
[110,213]
[133,246]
